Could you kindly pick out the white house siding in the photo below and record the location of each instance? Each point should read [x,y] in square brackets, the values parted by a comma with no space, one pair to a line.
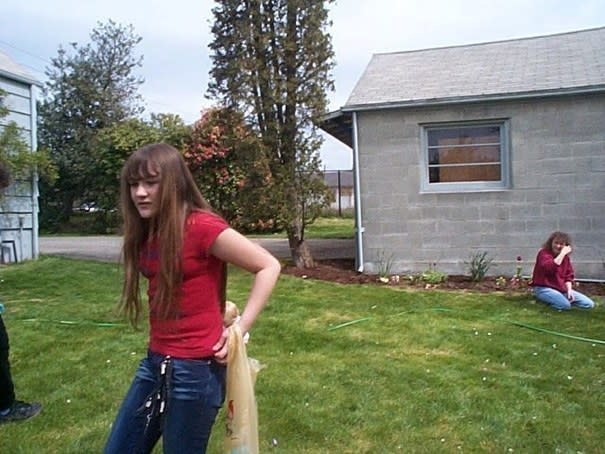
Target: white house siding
[19,203]
[557,183]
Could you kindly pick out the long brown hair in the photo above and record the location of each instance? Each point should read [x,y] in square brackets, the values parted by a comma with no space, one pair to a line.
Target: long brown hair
[177,196]
[558,236]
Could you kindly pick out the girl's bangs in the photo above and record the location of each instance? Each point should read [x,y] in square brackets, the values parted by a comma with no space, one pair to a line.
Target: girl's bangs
[141,169]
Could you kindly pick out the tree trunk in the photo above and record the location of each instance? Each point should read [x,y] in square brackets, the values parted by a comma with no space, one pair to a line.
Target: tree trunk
[301,254]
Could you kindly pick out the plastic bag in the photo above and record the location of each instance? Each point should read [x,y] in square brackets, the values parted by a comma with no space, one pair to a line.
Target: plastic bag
[241,435]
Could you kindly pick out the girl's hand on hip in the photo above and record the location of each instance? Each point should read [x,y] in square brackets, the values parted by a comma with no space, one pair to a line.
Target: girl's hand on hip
[220,348]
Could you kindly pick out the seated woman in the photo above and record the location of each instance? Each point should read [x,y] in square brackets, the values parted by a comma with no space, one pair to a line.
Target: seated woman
[553,275]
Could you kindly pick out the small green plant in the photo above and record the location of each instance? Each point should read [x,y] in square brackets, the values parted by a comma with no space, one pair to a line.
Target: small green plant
[432,275]
[518,276]
[385,263]
[500,281]
[479,265]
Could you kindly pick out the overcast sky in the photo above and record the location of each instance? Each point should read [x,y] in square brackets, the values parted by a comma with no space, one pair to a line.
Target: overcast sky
[176,34]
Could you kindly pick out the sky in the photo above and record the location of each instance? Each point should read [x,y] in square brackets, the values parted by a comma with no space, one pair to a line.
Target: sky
[175,35]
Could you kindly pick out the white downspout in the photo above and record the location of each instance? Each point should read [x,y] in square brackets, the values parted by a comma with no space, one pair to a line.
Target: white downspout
[357,188]
[34,141]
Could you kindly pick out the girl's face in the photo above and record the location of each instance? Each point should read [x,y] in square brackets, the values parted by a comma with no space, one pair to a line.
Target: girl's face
[144,194]
[557,245]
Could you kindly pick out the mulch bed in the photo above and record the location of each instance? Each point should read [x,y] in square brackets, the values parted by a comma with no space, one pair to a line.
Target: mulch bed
[343,272]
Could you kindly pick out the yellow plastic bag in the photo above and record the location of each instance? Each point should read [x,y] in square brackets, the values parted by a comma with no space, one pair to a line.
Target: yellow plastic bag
[241,436]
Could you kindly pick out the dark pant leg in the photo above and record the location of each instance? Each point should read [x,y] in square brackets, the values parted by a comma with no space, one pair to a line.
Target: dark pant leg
[7,389]
[135,430]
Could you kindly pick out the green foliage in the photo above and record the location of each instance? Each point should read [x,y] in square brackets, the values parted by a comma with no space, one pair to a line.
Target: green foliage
[479,265]
[230,167]
[21,163]
[114,144]
[430,276]
[441,371]
[273,61]
[90,88]
[433,276]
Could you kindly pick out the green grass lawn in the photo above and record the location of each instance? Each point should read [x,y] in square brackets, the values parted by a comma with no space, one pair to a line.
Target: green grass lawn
[350,369]
[325,227]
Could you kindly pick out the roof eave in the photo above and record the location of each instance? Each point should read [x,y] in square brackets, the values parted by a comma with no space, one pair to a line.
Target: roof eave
[592,89]
[20,78]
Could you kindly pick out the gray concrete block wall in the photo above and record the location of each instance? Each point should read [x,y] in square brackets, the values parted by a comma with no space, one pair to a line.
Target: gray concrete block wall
[557,183]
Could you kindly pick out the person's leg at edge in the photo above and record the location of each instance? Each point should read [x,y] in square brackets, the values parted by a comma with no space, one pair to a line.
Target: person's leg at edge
[11,409]
[582,301]
[552,297]
[197,395]
[7,389]
[128,431]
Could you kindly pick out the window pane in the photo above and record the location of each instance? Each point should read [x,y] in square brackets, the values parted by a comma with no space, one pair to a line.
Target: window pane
[462,155]
[464,136]
[451,174]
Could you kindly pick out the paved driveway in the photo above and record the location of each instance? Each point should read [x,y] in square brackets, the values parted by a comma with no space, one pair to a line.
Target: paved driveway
[107,248]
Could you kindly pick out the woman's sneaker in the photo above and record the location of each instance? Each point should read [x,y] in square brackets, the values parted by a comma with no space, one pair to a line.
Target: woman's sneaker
[20,411]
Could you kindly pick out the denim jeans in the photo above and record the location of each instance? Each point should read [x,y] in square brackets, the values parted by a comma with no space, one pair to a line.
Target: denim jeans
[558,300]
[195,391]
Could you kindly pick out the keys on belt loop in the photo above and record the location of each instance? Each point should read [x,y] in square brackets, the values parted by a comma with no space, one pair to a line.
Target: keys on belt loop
[164,388]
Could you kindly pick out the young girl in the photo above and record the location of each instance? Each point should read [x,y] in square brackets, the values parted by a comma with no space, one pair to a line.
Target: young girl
[173,239]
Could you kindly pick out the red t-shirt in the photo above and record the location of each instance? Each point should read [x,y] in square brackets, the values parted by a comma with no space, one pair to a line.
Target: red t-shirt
[199,323]
[548,274]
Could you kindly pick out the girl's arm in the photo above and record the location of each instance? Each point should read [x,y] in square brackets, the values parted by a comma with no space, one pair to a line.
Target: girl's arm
[232,247]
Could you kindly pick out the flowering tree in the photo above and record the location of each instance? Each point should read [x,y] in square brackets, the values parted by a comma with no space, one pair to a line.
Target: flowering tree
[231,169]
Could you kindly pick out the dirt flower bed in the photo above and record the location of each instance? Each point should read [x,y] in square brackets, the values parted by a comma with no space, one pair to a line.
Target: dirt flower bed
[342,272]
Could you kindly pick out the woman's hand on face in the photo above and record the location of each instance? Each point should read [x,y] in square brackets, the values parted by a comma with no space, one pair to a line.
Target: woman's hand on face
[220,348]
[566,250]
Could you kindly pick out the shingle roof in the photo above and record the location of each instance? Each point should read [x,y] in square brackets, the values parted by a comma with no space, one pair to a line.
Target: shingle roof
[12,70]
[566,62]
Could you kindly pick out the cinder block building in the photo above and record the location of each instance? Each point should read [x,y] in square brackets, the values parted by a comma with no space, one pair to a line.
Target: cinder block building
[486,147]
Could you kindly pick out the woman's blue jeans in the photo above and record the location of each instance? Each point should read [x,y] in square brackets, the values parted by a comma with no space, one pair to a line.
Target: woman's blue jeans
[558,300]
[194,393]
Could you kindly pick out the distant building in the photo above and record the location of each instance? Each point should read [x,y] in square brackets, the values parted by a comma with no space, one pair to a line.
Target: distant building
[340,183]
[19,202]
[485,147]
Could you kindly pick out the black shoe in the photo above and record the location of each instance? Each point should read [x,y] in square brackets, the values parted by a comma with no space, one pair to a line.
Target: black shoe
[20,411]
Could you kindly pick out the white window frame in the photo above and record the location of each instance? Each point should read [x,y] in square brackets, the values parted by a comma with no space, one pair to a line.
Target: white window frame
[467,186]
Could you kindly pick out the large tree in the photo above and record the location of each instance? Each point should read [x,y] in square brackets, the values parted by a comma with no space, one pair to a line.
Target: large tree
[272,59]
[89,88]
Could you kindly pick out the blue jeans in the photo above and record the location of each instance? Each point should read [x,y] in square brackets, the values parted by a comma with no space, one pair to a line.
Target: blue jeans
[180,406]
[558,300]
